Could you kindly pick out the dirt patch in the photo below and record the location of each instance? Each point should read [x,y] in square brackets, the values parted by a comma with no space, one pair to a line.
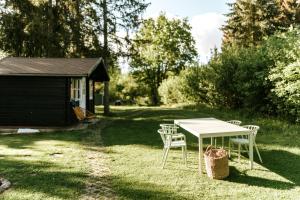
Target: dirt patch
[98,185]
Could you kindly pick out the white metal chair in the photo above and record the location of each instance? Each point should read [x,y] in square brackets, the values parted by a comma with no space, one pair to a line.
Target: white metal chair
[235,122]
[172,129]
[244,140]
[172,139]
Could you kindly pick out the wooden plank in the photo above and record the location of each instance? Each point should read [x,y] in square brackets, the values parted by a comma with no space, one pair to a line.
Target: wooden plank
[33,101]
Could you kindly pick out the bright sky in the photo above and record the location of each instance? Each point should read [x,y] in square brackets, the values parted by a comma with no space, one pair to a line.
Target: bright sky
[205,16]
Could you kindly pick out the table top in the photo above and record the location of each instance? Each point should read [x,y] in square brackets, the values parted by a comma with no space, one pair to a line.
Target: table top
[210,127]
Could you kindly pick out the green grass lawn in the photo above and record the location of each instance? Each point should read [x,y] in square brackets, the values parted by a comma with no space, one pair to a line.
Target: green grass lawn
[44,166]
[56,165]
[135,149]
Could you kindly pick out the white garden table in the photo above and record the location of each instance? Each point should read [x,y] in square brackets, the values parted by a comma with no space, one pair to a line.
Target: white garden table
[211,127]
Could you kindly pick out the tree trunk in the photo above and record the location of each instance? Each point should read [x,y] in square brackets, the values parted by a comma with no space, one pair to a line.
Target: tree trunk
[154,96]
[77,31]
[105,58]
[49,51]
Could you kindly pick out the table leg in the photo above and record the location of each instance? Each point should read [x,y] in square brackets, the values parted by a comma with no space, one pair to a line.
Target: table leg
[200,154]
[251,150]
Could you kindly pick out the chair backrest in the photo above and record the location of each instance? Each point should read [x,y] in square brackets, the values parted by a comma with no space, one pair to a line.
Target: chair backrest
[169,128]
[166,138]
[235,122]
[254,129]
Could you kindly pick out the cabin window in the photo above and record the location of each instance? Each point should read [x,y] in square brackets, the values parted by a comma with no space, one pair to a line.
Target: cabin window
[75,89]
[78,92]
[91,91]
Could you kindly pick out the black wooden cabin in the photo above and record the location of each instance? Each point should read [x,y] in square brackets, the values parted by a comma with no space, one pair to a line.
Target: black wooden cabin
[41,91]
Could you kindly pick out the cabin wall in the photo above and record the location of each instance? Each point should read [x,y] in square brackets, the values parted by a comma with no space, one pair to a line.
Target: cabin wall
[34,101]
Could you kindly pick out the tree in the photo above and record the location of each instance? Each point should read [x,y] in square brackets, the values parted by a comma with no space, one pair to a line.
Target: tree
[249,21]
[48,28]
[116,16]
[161,47]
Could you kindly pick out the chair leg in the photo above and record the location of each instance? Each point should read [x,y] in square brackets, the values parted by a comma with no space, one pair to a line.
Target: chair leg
[258,153]
[229,148]
[164,153]
[239,153]
[185,153]
[165,158]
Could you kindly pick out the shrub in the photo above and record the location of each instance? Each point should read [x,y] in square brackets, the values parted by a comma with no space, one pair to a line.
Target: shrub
[284,50]
[198,85]
[170,90]
[240,77]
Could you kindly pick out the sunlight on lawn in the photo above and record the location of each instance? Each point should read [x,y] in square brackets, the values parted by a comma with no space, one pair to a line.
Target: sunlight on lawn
[31,163]
[135,149]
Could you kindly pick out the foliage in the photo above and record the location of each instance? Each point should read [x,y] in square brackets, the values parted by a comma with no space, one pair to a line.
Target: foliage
[284,50]
[49,28]
[161,47]
[2,54]
[262,78]
[194,84]
[116,16]
[250,21]
[240,77]
[170,90]
[129,90]
[199,85]
[69,28]
[125,88]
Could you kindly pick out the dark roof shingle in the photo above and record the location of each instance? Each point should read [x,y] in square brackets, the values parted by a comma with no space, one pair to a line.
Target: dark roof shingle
[17,66]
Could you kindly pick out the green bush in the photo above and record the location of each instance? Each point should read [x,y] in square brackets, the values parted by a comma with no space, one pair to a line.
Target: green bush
[284,50]
[129,90]
[198,85]
[240,78]
[194,84]
[170,90]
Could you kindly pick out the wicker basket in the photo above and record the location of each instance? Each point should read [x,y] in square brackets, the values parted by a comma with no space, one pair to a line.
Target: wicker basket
[216,163]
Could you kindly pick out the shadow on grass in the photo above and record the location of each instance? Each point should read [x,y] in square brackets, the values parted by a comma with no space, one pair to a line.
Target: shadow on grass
[283,163]
[238,177]
[132,189]
[27,140]
[43,177]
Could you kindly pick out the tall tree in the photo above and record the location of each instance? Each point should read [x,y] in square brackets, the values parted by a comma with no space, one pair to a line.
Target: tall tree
[39,28]
[161,47]
[249,21]
[116,17]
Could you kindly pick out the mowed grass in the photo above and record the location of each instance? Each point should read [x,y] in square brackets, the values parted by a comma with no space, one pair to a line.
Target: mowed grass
[56,165]
[135,149]
[44,166]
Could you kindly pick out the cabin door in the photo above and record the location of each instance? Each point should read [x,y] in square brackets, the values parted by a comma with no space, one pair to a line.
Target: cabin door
[78,92]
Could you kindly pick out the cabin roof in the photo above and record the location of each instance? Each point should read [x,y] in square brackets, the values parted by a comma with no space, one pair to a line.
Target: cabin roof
[68,67]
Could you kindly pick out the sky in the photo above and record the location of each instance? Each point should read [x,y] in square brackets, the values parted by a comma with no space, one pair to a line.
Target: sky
[205,16]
